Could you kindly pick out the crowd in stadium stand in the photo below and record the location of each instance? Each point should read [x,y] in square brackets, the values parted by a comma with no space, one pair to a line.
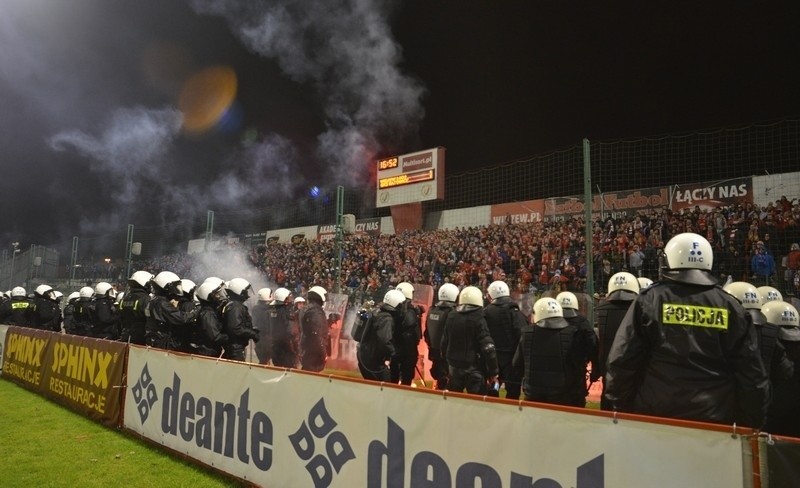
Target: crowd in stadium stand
[531,257]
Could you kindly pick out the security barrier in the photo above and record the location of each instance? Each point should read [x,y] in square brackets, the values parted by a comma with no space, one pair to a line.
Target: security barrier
[277,427]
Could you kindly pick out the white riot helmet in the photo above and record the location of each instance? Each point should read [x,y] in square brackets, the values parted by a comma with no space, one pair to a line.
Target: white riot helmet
[471,295]
[73,296]
[689,251]
[215,281]
[239,287]
[211,292]
[119,297]
[448,292]
[86,292]
[265,295]
[746,293]
[624,283]
[394,298]
[141,278]
[280,295]
[784,315]
[407,289]
[644,282]
[569,303]
[188,287]
[319,291]
[498,289]
[547,308]
[769,294]
[169,283]
[18,291]
[104,289]
[299,300]
[57,296]
[44,291]
[689,259]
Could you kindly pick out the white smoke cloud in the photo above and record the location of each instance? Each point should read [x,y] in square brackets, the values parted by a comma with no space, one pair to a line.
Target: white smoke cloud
[344,48]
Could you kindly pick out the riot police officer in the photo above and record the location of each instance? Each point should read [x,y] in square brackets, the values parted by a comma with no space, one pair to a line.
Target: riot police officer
[434,329]
[83,313]
[284,351]
[105,321]
[773,354]
[552,357]
[405,338]
[687,349]
[783,418]
[314,331]
[238,325]
[46,314]
[69,312]
[163,314]
[260,315]
[571,307]
[209,338]
[18,310]
[376,347]
[467,345]
[132,308]
[505,323]
[623,288]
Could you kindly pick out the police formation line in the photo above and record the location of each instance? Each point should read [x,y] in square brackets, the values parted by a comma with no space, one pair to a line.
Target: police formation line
[167,312]
[683,347]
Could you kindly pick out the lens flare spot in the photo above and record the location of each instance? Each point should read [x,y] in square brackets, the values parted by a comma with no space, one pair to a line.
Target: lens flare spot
[206,97]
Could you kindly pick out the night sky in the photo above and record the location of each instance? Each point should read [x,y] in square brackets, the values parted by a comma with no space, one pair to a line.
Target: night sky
[95,134]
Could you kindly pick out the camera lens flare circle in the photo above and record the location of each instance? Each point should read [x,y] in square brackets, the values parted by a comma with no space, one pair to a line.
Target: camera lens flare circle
[206,97]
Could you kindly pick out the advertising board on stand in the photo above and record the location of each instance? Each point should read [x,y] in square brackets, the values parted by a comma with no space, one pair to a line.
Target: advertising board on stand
[289,428]
[711,195]
[84,374]
[615,205]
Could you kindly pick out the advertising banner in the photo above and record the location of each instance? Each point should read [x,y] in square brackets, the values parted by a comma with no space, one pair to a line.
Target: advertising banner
[363,227]
[615,205]
[24,356]
[288,428]
[83,374]
[517,212]
[712,195]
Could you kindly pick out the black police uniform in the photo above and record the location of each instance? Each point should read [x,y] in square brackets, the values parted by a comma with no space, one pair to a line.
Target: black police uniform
[46,314]
[132,315]
[284,347]
[314,339]
[376,346]
[163,317]
[105,321]
[687,349]
[469,349]
[609,312]
[82,317]
[209,338]
[17,311]
[552,357]
[434,329]
[405,338]
[506,324]
[260,314]
[238,326]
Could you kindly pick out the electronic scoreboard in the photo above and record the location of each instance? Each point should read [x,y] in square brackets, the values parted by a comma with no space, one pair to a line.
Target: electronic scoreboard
[410,178]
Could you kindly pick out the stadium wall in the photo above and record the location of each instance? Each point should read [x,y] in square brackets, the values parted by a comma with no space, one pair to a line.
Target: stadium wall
[276,427]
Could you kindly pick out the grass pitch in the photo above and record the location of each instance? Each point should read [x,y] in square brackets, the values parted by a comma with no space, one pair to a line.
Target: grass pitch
[43,444]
